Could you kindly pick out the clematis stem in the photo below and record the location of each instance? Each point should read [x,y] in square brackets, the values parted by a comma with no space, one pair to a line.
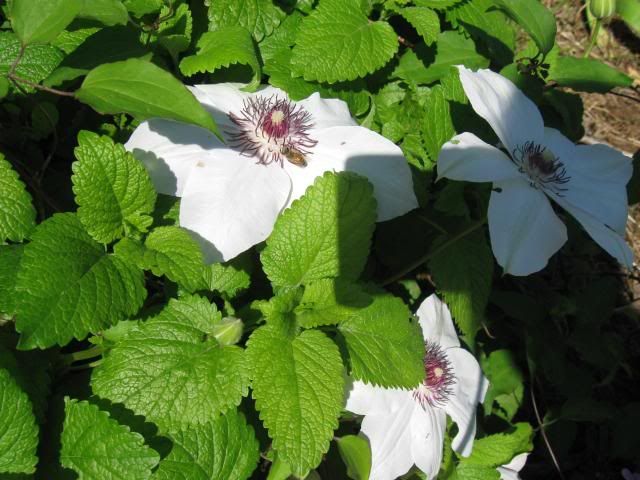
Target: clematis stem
[83,354]
[412,266]
[594,37]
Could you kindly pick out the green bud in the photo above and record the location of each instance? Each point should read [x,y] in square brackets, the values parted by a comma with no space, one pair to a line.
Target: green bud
[602,8]
[228,331]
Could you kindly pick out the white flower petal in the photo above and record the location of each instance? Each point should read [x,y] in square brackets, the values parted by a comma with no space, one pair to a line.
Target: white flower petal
[359,150]
[367,399]
[436,323]
[427,428]
[599,175]
[327,112]
[466,157]
[232,203]
[524,229]
[511,469]
[511,114]
[468,391]
[169,150]
[390,439]
[606,237]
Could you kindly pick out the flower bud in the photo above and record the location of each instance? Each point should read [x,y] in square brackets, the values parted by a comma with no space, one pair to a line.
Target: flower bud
[228,331]
[602,8]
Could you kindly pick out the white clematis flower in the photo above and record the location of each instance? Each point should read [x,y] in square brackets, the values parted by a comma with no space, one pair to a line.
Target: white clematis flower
[586,180]
[233,192]
[510,470]
[407,427]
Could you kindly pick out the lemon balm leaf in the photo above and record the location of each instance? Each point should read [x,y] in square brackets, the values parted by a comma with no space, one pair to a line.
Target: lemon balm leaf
[93,443]
[337,42]
[224,449]
[17,215]
[69,286]
[298,388]
[171,370]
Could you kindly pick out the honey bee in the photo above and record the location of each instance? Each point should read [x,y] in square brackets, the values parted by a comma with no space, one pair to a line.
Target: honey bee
[294,156]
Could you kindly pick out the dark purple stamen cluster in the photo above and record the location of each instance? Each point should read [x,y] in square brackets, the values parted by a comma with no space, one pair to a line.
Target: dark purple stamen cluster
[270,126]
[437,386]
[544,169]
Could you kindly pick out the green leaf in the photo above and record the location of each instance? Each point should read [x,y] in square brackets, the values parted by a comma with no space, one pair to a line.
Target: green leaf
[108,12]
[226,279]
[95,445]
[174,34]
[222,48]
[69,286]
[298,388]
[337,42]
[40,21]
[36,64]
[329,302]
[629,11]
[113,189]
[172,252]
[497,450]
[282,38]
[587,75]
[424,20]
[144,90]
[438,125]
[476,472]
[223,449]
[466,282]
[326,233]
[505,382]
[259,17]
[17,215]
[18,429]
[427,65]
[170,369]
[104,46]
[356,454]
[10,257]
[538,21]
[385,346]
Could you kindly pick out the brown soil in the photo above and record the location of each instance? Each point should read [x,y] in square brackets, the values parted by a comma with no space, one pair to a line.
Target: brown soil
[611,118]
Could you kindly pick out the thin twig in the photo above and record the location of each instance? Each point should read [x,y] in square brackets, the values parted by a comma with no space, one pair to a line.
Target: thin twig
[624,95]
[15,63]
[542,432]
[412,266]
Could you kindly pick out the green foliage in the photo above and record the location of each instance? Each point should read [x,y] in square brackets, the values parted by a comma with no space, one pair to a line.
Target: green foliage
[329,302]
[466,282]
[68,286]
[587,75]
[324,234]
[356,454]
[17,215]
[334,28]
[108,12]
[10,257]
[113,190]
[40,21]
[144,90]
[169,369]
[385,348]
[37,62]
[292,376]
[93,443]
[222,48]
[259,17]
[223,449]
[18,429]
[535,19]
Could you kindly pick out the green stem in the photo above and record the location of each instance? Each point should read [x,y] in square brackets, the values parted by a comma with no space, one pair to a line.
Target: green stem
[594,37]
[16,79]
[409,268]
[83,354]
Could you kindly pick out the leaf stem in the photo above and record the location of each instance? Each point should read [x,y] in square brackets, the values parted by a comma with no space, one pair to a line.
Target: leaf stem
[594,37]
[92,352]
[412,266]
[16,79]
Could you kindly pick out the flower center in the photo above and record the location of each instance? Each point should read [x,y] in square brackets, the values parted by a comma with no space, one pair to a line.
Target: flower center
[271,130]
[544,169]
[437,385]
